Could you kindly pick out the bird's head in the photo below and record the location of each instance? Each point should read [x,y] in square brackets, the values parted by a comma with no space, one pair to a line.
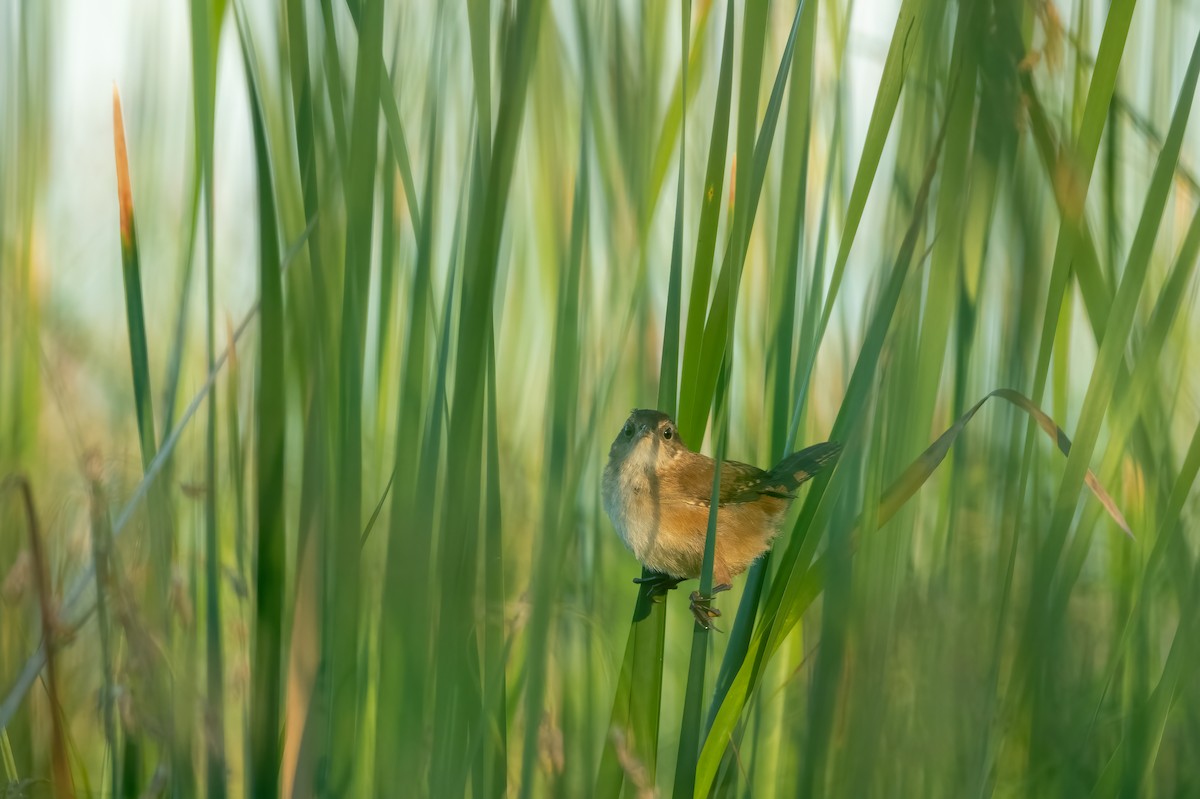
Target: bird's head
[647,438]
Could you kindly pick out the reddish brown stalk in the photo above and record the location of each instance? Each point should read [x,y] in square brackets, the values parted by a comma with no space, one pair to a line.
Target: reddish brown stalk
[58,751]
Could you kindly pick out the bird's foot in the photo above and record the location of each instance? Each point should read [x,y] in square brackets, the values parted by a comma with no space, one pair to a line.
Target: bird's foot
[702,609]
[657,585]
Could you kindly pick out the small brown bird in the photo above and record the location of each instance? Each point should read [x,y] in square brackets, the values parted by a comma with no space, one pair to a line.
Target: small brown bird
[657,493]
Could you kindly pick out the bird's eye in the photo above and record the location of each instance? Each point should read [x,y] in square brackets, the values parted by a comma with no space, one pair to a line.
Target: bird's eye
[667,433]
[628,431]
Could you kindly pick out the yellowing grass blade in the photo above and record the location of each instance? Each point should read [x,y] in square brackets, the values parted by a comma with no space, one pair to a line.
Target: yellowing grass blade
[920,470]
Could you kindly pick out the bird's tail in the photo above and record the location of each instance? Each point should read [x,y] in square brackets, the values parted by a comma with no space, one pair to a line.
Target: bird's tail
[799,467]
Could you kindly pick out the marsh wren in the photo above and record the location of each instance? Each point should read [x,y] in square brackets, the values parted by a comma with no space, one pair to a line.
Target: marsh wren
[657,493]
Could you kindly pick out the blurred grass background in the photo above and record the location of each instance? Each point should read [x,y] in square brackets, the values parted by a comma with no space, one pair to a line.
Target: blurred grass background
[312,416]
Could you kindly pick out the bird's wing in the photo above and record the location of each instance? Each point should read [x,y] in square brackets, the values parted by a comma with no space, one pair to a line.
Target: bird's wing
[797,468]
[738,481]
[693,484]
[788,475]
[742,483]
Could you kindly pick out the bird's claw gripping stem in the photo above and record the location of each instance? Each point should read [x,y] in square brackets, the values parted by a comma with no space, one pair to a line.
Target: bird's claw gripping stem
[702,609]
[657,585]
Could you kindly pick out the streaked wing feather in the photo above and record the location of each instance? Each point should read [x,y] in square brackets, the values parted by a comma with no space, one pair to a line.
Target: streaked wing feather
[791,472]
[743,483]
[736,479]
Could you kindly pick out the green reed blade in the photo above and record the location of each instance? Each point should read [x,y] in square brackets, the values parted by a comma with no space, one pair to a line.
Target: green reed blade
[270,410]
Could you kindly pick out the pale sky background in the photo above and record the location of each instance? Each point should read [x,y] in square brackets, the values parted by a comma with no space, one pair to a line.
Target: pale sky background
[143,47]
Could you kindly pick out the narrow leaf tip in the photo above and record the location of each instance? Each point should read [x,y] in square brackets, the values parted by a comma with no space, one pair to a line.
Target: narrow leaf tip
[124,192]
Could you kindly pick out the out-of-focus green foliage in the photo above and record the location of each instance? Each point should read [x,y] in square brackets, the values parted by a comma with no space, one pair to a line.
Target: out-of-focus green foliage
[416,261]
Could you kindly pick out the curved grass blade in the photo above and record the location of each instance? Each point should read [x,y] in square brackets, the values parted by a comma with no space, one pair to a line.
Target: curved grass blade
[767,639]
[920,470]
[265,723]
